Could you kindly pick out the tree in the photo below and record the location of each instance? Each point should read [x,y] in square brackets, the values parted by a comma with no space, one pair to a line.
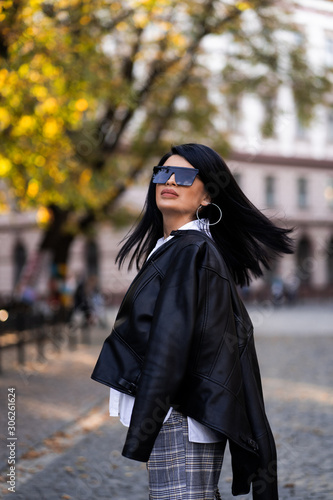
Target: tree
[93,91]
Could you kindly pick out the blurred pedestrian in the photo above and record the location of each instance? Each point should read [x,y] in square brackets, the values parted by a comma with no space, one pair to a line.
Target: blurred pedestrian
[83,308]
[89,304]
[181,361]
[277,290]
[292,285]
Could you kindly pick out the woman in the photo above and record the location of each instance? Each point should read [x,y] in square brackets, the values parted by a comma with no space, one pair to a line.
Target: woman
[181,361]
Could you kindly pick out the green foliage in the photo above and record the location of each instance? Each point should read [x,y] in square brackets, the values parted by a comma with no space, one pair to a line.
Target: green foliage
[308,87]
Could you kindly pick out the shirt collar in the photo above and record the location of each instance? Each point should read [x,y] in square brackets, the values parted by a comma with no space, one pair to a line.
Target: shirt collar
[199,225]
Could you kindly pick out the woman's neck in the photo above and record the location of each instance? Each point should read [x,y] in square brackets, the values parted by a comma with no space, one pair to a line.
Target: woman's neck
[173,223]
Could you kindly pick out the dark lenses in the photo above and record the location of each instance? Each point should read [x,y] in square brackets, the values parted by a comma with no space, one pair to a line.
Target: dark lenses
[184,176]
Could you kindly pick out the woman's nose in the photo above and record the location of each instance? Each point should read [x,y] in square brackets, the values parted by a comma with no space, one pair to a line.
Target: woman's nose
[172,180]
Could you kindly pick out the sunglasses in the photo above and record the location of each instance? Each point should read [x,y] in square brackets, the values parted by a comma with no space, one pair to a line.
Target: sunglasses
[184,176]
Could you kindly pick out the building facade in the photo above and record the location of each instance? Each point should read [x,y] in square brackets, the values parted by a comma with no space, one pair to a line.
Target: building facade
[290,175]
[295,192]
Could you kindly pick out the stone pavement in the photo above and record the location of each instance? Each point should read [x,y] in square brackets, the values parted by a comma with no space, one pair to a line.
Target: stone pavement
[69,448]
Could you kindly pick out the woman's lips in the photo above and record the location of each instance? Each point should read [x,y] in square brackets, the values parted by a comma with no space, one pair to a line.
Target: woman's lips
[169,193]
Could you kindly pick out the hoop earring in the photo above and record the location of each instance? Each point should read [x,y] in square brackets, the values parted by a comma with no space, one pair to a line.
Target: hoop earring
[213,223]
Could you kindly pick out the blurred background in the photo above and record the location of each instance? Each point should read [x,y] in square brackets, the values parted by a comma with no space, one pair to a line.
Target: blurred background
[92,94]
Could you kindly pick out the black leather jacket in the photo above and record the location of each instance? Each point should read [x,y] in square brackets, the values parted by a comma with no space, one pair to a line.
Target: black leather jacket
[183,338]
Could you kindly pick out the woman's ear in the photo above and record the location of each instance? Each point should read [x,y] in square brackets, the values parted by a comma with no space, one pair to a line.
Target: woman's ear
[206,201]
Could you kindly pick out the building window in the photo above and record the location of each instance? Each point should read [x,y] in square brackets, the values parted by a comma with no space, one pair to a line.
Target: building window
[268,123]
[328,193]
[304,260]
[19,260]
[301,131]
[92,258]
[329,50]
[270,191]
[330,262]
[330,125]
[302,192]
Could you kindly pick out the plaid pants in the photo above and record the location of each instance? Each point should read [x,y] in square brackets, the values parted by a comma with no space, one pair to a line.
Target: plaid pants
[181,470]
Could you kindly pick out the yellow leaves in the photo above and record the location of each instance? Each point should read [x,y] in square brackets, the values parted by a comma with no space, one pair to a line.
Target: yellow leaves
[115,6]
[35,76]
[33,188]
[165,26]
[14,101]
[50,105]
[31,8]
[85,177]
[74,119]
[25,126]
[27,47]
[17,158]
[85,20]
[43,216]
[5,119]
[243,5]
[8,81]
[37,61]
[65,4]
[6,4]
[179,41]
[40,161]
[39,92]
[122,26]
[51,128]
[26,12]
[81,105]
[140,19]
[148,4]
[57,175]
[20,188]
[57,79]
[3,75]
[49,70]
[23,70]
[5,166]
[35,4]
[26,122]
[60,85]
[4,206]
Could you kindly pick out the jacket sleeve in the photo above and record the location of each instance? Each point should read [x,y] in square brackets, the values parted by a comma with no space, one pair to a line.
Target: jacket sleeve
[167,353]
[264,480]
[259,470]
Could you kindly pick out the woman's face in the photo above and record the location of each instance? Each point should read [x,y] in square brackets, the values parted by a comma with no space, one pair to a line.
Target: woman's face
[183,201]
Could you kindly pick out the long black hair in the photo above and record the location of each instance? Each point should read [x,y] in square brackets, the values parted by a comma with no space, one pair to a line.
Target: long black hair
[246,238]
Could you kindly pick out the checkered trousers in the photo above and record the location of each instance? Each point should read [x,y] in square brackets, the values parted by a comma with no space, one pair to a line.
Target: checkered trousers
[181,470]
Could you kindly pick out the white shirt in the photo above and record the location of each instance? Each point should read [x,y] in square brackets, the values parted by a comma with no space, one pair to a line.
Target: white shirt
[122,404]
